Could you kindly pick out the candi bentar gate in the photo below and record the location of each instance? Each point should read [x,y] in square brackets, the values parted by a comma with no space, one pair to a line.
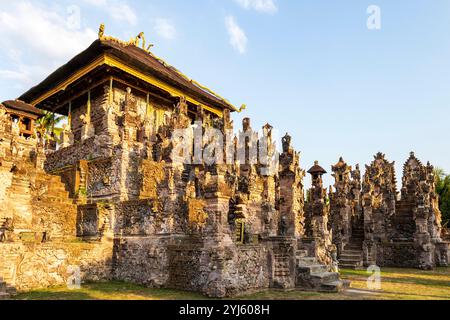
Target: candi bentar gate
[112,199]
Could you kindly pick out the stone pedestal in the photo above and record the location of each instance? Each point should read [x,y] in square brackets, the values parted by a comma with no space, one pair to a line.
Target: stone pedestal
[87,131]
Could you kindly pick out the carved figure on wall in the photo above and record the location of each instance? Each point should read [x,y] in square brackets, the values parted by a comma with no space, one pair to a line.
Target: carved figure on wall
[286,143]
[283,226]
[6,226]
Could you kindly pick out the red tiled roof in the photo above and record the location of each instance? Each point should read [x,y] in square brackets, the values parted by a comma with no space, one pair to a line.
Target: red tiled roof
[19,105]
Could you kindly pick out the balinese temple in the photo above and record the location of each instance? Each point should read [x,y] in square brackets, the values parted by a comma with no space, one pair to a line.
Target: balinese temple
[114,198]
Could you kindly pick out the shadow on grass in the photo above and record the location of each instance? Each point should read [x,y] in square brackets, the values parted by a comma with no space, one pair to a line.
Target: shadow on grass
[408,283]
[409,279]
[57,295]
[113,290]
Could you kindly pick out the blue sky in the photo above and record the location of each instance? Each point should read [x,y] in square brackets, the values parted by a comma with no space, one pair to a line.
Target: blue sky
[311,68]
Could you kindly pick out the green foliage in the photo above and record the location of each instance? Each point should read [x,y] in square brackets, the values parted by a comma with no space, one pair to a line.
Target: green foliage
[82,192]
[47,125]
[443,190]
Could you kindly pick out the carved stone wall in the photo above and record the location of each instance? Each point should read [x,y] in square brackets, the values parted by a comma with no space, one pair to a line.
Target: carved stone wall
[41,265]
[143,260]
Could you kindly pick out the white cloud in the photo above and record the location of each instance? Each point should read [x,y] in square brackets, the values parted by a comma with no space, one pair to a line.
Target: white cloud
[165,29]
[264,6]
[238,39]
[43,37]
[118,10]
[14,75]
[43,31]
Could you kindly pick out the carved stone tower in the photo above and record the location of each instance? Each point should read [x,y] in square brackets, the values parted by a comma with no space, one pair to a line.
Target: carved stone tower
[291,191]
[317,212]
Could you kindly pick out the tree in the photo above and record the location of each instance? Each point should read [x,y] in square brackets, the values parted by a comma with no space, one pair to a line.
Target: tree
[47,125]
[443,190]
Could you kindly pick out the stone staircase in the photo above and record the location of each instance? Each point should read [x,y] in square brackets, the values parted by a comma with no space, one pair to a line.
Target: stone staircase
[404,219]
[352,255]
[56,191]
[20,191]
[313,276]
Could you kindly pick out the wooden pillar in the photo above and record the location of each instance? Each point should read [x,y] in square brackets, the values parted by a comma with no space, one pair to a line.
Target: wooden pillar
[111,95]
[148,109]
[88,111]
[69,115]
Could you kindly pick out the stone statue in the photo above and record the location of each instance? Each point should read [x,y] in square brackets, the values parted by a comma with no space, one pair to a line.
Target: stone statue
[286,142]
[283,226]
[101,31]
[85,119]
[140,37]
[6,226]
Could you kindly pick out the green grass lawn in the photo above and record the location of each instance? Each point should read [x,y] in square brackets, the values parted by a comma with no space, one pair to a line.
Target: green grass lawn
[395,284]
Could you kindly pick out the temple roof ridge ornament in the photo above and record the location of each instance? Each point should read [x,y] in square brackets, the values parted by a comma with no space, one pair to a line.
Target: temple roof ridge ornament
[141,38]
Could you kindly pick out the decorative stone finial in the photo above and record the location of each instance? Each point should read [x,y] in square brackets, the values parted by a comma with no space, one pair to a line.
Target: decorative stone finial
[101,31]
[286,141]
[246,124]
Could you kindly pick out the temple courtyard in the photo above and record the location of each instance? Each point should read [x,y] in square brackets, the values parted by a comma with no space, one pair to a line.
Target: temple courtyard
[396,284]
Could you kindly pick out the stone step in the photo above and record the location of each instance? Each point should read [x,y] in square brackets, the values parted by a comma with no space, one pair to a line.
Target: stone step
[19,186]
[350,267]
[335,286]
[22,194]
[318,268]
[353,247]
[351,250]
[307,260]
[350,259]
[20,182]
[326,277]
[314,269]
[4,295]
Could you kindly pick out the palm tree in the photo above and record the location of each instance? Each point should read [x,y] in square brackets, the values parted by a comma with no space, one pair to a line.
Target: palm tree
[443,190]
[47,125]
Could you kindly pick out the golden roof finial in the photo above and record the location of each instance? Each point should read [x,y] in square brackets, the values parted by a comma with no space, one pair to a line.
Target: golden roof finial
[140,37]
[101,31]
